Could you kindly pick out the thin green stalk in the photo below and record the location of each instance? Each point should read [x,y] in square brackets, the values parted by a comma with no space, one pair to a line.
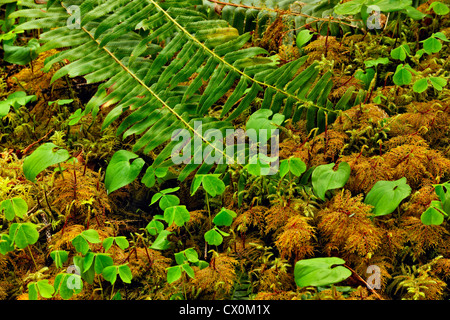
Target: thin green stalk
[112,292]
[209,211]
[32,257]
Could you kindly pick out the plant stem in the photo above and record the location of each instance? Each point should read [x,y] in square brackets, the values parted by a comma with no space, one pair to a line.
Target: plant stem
[61,171]
[209,210]
[112,292]
[101,288]
[32,257]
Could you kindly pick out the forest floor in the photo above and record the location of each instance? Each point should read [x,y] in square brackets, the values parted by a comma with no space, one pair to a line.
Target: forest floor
[395,133]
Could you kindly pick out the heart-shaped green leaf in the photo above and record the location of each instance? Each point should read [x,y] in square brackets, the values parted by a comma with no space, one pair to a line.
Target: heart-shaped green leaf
[191,255]
[45,290]
[213,237]
[432,45]
[324,178]
[401,52]
[125,273]
[120,171]
[420,85]
[23,234]
[319,272]
[122,242]
[439,8]
[110,274]
[188,269]
[32,291]
[91,235]
[224,217]
[43,157]
[154,227]
[303,37]
[262,165]
[173,274]
[161,242]
[80,242]
[107,243]
[168,200]
[6,245]
[67,285]
[177,214]
[402,76]
[15,207]
[438,83]
[293,165]
[59,256]
[385,196]
[433,215]
[210,182]
[102,260]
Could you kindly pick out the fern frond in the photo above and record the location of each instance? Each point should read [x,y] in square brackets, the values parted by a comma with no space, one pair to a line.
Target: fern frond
[251,15]
[143,51]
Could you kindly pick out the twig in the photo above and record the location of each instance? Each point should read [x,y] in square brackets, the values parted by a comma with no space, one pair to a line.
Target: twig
[27,149]
[365,283]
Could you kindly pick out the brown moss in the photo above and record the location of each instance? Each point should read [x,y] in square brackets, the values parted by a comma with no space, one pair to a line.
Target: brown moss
[295,240]
[346,227]
[329,47]
[251,218]
[419,282]
[442,268]
[79,193]
[422,237]
[419,164]
[278,295]
[276,279]
[420,201]
[359,117]
[365,172]
[430,119]
[216,280]
[323,148]
[277,216]
[153,270]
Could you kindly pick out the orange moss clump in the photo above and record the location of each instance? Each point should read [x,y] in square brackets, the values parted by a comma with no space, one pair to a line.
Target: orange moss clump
[430,119]
[359,117]
[329,46]
[253,217]
[347,229]
[323,148]
[423,237]
[277,217]
[419,164]
[420,201]
[218,278]
[365,172]
[296,239]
